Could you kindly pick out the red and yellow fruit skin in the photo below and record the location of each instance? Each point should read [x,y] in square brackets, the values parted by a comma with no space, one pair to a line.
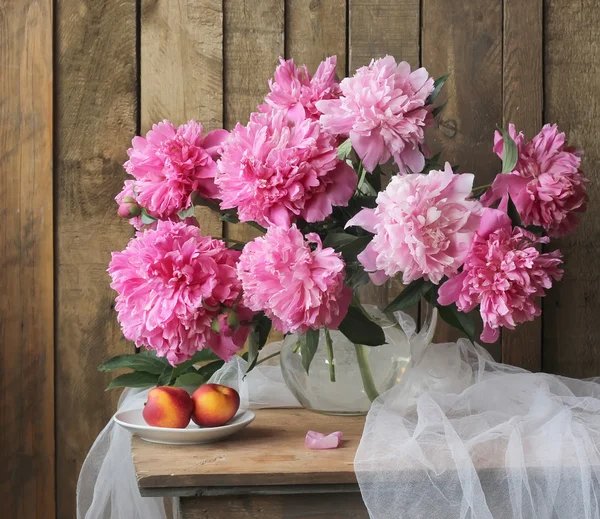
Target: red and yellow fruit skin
[168,407]
[214,405]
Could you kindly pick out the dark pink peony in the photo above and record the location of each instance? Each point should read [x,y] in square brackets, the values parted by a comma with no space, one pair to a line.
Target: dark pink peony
[295,281]
[383,110]
[546,186]
[296,92]
[170,164]
[504,273]
[172,282]
[275,170]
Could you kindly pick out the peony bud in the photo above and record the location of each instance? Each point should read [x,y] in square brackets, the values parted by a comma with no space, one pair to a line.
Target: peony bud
[129,208]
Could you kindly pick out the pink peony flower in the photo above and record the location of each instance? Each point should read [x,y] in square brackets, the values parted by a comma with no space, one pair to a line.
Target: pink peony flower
[546,186]
[275,170]
[170,164]
[383,110]
[295,92]
[297,287]
[172,283]
[423,226]
[503,273]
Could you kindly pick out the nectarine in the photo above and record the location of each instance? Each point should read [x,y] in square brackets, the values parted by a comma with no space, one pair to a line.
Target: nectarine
[168,407]
[214,405]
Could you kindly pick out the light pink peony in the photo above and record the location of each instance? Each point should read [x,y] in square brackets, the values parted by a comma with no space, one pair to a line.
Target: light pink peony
[295,92]
[423,226]
[171,283]
[170,164]
[275,170]
[383,110]
[546,186]
[297,287]
[504,273]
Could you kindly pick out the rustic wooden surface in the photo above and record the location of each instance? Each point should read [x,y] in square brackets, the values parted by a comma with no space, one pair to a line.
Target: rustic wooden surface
[466,42]
[572,55]
[315,506]
[96,97]
[181,56]
[26,268]
[522,93]
[270,451]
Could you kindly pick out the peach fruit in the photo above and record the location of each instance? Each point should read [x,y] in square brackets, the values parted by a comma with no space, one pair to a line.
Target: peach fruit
[214,405]
[168,407]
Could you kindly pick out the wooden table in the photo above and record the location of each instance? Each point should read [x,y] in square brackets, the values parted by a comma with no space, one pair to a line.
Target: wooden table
[263,472]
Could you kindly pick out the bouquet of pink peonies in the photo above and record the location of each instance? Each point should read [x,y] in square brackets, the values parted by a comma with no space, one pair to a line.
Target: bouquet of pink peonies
[307,172]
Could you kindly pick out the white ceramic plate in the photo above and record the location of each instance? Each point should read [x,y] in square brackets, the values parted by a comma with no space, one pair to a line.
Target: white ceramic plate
[134,422]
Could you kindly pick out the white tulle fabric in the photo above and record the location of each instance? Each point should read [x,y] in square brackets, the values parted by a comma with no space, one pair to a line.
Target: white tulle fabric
[107,486]
[462,436]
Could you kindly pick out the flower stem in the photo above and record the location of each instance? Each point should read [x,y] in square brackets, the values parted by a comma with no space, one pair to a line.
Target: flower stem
[257,226]
[481,188]
[365,372]
[267,358]
[329,343]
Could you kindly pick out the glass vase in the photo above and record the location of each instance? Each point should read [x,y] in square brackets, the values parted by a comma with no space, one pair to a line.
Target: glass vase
[358,373]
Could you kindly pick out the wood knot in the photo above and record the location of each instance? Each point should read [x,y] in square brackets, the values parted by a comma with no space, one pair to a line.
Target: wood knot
[449,127]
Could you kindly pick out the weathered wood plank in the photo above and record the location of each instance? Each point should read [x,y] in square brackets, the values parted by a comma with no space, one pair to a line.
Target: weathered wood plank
[572,54]
[315,506]
[182,70]
[522,105]
[380,27]
[269,452]
[96,118]
[466,42]
[254,40]
[26,261]
[315,30]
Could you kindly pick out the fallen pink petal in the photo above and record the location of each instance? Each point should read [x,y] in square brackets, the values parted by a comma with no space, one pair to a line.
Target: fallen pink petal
[319,441]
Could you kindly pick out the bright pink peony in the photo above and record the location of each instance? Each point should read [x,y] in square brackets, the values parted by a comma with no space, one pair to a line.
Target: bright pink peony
[546,186]
[172,282]
[170,164]
[383,110]
[297,287]
[504,273]
[275,170]
[295,92]
[423,226]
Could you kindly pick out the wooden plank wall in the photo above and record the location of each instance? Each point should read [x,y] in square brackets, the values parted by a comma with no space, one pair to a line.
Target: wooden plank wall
[121,65]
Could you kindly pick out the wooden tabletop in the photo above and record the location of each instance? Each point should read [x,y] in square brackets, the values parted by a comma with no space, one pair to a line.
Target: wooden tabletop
[270,451]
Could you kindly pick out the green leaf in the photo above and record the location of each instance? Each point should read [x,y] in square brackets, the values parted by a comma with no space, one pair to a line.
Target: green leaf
[137,362]
[165,377]
[344,149]
[208,370]
[359,328]
[438,109]
[229,218]
[259,333]
[375,178]
[432,163]
[146,218]
[192,379]
[134,379]
[510,154]
[309,342]
[410,296]
[186,213]
[458,320]
[438,84]
[337,239]
[351,250]
[513,213]
[535,229]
